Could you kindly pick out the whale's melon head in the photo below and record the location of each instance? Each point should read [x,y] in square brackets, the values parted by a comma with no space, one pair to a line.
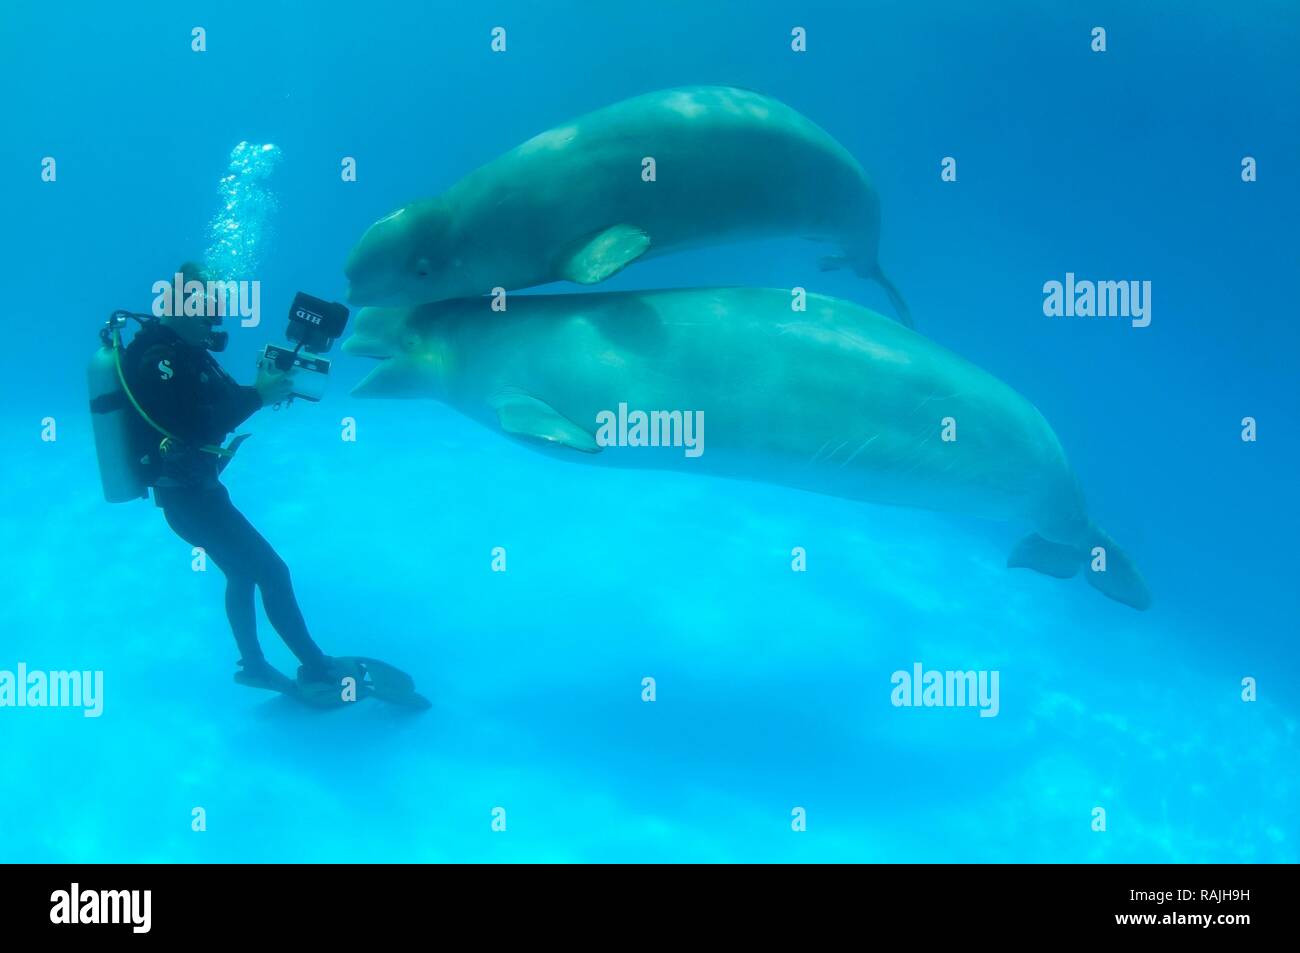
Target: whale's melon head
[400,259]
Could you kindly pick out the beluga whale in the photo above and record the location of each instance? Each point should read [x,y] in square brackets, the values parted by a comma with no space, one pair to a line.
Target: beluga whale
[659,173]
[836,399]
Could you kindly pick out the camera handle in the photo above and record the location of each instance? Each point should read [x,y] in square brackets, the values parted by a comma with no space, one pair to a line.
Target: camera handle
[284,362]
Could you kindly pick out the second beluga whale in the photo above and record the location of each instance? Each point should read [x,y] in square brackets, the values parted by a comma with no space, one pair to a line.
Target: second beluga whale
[659,173]
[835,399]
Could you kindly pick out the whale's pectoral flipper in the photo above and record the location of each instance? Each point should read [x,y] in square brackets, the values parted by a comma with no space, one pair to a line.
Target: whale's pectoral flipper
[1119,579]
[526,416]
[872,272]
[605,253]
[895,298]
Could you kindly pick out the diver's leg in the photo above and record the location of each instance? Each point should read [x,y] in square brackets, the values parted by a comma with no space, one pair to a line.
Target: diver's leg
[195,518]
[271,574]
[241,611]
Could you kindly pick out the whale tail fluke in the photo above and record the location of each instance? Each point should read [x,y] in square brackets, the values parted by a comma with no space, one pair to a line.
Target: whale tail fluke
[1042,555]
[1119,579]
[873,272]
[1107,568]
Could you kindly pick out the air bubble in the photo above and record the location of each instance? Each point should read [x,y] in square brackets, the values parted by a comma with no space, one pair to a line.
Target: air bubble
[243,225]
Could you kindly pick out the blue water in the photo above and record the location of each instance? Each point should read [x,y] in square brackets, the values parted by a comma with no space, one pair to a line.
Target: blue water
[773,686]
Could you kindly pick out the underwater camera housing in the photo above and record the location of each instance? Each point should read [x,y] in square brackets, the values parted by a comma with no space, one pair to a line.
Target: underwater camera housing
[313,325]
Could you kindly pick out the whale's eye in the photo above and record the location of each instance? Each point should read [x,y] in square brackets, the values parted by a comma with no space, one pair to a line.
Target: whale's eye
[422,268]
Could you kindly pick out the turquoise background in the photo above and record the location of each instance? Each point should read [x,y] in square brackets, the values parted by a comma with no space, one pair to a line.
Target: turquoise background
[773,687]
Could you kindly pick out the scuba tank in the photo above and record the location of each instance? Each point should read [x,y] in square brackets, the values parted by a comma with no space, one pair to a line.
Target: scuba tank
[123,470]
[120,471]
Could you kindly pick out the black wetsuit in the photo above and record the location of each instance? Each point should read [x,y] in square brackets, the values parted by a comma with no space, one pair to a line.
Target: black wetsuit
[182,388]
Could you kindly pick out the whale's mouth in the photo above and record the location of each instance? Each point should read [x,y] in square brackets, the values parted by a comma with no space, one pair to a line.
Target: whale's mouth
[377,333]
[359,345]
[401,377]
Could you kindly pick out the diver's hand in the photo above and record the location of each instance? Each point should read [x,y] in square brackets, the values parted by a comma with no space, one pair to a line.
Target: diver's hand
[273,385]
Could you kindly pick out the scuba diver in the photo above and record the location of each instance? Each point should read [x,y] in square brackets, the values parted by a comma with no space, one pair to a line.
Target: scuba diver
[176,382]
[160,408]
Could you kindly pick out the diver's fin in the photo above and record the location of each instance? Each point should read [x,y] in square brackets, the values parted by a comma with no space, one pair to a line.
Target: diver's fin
[605,254]
[265,676]
[321,694]
[396,377]
[391,675]
[326,689]
[1042,555]
[390,684]
[1120,580]
[371,678]
[312,694]
[527,416]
